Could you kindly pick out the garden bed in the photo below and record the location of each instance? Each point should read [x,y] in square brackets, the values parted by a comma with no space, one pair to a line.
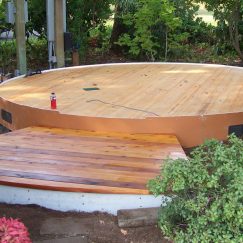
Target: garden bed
[101,227]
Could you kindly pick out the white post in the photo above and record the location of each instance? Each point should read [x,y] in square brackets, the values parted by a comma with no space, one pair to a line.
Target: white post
[20,36]
[56,26]
[50,33]
[64,16]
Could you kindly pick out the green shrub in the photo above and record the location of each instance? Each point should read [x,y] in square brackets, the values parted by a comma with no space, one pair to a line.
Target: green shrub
[99,39]
[206,194]
[8,55]
[36,52]
[83,16]
[150,27]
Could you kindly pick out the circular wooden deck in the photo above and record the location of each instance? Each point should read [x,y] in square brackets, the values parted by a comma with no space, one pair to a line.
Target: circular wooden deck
[133,90]
[192,101]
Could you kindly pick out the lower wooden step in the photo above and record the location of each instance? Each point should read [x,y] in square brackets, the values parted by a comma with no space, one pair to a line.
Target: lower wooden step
[82,161]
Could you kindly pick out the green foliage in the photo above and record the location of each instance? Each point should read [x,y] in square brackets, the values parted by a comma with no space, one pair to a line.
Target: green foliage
[228,13]
[206,194]
[2,15]
[154,30]
[83,16]
[37,17]
[8,55]
[36,14]
[149,26]
[198,31]
[165,30]
[203,53]
[192,33]
[36,54]
[99,38]
[3,25]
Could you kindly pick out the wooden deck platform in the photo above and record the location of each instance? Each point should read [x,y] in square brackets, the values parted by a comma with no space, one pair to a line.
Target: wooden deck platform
[81,161]
[193,101]
[133,91]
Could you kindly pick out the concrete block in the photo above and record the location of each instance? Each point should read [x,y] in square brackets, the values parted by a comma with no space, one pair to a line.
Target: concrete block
[67,226]
[137,217]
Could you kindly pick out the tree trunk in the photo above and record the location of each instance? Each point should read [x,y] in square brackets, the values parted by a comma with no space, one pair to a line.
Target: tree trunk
[234,29]
[118,29]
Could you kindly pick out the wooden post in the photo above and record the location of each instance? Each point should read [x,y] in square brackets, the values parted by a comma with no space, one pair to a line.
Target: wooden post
[75,58]
[59,33]
[20,36]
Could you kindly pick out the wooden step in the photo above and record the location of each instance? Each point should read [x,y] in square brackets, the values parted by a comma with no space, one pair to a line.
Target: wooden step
[82,161]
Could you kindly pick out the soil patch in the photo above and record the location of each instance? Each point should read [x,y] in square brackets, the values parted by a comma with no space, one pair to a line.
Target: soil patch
[103,228]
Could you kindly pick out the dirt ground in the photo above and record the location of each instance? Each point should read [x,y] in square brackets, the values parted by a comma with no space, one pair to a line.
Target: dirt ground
[103,230]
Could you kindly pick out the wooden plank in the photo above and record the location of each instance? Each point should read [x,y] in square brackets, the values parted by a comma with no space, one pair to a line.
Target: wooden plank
[100,174]
[67,187]
[92,162]
[103,147]
[106,151]
[124,161]
[78,155]
[70,179]
[113,136]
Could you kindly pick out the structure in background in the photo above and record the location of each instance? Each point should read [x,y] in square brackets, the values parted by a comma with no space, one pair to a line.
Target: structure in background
[17,13]
[56,27]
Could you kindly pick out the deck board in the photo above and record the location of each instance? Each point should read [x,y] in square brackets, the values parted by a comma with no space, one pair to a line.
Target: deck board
[75,160]
[134,91]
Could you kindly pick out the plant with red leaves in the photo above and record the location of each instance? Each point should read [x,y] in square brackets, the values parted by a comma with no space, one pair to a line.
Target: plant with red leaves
[14,231]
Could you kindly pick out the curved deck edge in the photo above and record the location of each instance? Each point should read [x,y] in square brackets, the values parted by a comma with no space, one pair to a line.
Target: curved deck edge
[190,130]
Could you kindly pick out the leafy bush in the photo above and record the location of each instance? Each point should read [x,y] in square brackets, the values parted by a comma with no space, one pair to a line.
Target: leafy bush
[12,230]
[229,14]
[197,29]
[83,16]
[206,194]
[8,55]
[165,31]
[149,26]
[99,39]
[36,51]
[202,53]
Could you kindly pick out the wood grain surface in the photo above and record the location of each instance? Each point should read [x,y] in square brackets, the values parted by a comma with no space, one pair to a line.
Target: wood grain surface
[133,91]
[75,160]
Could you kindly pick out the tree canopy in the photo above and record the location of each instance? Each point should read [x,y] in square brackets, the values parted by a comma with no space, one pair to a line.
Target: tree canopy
[229,12]
[147,30]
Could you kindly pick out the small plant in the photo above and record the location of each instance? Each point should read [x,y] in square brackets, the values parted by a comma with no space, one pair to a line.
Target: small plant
[206,194]
[14,231]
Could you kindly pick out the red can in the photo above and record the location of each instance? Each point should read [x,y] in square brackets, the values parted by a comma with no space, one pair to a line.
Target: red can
[53,99]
